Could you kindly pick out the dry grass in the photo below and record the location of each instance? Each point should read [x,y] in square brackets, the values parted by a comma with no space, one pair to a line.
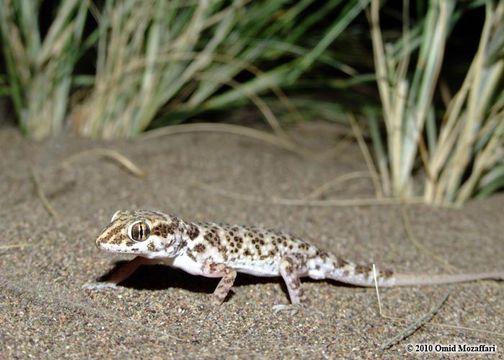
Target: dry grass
[179,59]
[39,70]
[468,139]
[169,61]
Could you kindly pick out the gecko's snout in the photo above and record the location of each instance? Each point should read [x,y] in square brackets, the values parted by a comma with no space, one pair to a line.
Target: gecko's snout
[112,234]
[99,241]
[114,230]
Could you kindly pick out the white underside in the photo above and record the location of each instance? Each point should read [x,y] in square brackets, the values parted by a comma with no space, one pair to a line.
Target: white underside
[256,268]
[185,263]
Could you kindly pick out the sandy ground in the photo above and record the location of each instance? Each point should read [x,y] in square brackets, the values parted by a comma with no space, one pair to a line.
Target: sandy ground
[164,313]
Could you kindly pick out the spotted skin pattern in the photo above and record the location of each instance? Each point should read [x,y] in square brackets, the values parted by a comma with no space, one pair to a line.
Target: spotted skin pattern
[221,251]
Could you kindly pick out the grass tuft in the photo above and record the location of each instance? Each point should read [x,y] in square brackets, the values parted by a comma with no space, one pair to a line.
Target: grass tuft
[460,152]
[39,70]
[176,59]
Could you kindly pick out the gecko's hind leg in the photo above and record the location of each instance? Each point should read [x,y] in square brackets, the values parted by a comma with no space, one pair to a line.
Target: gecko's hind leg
[290,272]
[225,284]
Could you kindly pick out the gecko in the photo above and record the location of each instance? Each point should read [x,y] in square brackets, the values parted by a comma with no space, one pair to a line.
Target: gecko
[221,251]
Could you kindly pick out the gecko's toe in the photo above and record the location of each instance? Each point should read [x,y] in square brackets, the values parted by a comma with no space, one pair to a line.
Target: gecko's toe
[99,286]
[291,309]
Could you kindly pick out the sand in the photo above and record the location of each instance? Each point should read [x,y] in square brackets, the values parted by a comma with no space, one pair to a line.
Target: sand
[164,313]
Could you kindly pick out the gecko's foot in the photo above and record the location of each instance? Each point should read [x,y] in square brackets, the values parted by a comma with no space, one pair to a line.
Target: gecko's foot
[291,309]
[216,302]
[99,286]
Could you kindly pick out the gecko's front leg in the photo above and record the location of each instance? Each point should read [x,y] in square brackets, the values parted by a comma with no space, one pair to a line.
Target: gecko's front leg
[122,273]
[211,269]
[126,270]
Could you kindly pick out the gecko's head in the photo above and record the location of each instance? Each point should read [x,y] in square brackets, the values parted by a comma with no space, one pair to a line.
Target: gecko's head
[150,234]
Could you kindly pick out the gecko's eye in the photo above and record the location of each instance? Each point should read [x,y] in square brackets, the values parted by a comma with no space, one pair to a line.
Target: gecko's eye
[139,231]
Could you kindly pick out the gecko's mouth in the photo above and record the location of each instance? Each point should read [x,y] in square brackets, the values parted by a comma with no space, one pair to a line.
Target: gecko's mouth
[115,248]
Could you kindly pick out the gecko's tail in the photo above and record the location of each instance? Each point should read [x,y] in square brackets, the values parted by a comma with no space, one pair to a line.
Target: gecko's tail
[363,275]
[411,279]
[335,268]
